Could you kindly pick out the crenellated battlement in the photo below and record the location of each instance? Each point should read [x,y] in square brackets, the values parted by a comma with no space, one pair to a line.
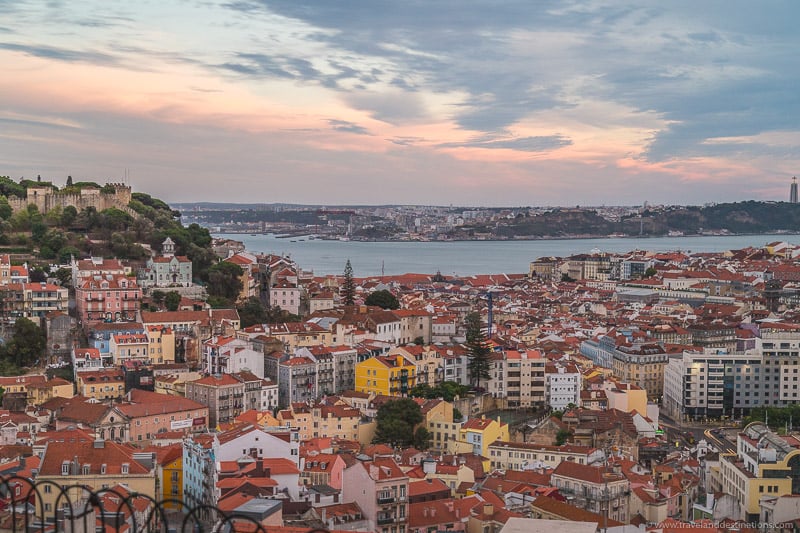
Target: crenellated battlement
[47,198]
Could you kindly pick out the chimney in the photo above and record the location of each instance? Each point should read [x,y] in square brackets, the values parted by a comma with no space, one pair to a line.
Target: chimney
[488,509]
[324,515]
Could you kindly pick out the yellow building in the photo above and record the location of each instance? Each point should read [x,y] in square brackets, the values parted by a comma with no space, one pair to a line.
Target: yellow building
[74,459]
[39,393]
[170,470]
[101,384]
[476,434]
[160,344]
[767,465]
[175,384]
[428,362]
[389,375]
[626,397]
[20,384]
[438,420]
[337,421]
[452,475]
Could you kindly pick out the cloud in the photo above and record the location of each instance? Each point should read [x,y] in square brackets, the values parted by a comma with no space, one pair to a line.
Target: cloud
[522,144]
[349,127]
[61,54]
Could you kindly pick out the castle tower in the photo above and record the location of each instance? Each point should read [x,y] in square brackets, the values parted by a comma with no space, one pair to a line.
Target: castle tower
[793,191]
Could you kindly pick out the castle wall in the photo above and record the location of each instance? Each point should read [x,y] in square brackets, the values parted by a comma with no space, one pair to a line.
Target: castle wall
[46,199]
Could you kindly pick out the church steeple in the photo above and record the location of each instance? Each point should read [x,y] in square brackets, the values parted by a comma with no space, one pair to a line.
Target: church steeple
[168,248]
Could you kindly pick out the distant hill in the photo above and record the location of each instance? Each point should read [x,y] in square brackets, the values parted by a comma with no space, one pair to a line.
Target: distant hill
[740,217]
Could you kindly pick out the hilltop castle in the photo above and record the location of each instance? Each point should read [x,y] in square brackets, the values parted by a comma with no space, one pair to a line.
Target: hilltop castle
[47,198]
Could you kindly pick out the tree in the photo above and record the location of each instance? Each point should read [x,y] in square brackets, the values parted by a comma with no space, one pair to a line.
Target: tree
[225,280]
[396,420]
[27,344]
[478,352]
[562,436]
[5,209]
[172,300]
[383,299]
[252,312]
[348,286]
[68,216]
[650,272]
[422,438]
[69,181]
[157,297]
[64,276]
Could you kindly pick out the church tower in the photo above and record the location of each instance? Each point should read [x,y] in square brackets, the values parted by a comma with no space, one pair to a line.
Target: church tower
[168,248]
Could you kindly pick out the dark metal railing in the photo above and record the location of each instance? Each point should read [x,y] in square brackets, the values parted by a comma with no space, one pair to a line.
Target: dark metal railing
[45,506]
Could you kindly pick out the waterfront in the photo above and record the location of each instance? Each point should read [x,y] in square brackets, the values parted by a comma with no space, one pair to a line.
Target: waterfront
[471,257]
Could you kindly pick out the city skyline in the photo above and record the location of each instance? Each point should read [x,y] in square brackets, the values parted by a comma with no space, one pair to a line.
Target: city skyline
[551,103]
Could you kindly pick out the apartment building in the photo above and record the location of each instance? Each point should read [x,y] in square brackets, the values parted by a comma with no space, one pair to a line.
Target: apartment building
[506,455]
[562,385]
[710,384]
[765,464]
[389,375]
[594,488]
[519,377]
[380,488]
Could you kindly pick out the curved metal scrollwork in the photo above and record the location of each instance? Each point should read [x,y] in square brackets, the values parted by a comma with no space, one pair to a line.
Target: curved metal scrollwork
[22,509]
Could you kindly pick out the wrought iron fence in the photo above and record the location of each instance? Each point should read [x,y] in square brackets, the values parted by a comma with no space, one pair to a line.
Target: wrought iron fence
[48,507]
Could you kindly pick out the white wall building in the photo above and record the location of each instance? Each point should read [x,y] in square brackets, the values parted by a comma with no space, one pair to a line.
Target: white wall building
[562,385]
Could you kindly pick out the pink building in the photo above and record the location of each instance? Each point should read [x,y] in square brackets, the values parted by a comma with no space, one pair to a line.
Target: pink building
[380,488]
[107,298]
[150,414]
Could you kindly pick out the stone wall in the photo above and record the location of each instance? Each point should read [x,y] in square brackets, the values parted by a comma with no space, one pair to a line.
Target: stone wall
[46,199]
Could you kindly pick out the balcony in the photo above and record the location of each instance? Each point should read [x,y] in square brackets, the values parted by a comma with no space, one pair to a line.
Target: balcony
[382,520]
[385,498]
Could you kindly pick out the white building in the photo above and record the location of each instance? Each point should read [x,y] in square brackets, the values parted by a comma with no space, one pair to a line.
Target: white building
[228,355]
[562,385]
[519,377]
[711,384]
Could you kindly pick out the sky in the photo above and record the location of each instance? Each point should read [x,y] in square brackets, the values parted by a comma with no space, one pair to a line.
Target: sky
[437,102]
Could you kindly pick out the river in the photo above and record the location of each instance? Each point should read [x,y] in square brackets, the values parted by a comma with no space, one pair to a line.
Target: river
[465,258]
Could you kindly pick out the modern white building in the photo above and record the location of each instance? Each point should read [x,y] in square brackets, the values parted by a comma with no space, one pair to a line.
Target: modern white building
[562,385]
[710,384]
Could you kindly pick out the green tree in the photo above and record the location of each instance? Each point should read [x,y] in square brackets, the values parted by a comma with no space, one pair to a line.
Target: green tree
[478,352]
[383,299]
[562,436]
[68,216]
[27,344]
[5,209]
[422,438]
[252,312]
[157,297]
[225,280]
[69,181]
[650,272]
[66,253]
[395,422]
[348,285]
[64,276]
[172,300]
